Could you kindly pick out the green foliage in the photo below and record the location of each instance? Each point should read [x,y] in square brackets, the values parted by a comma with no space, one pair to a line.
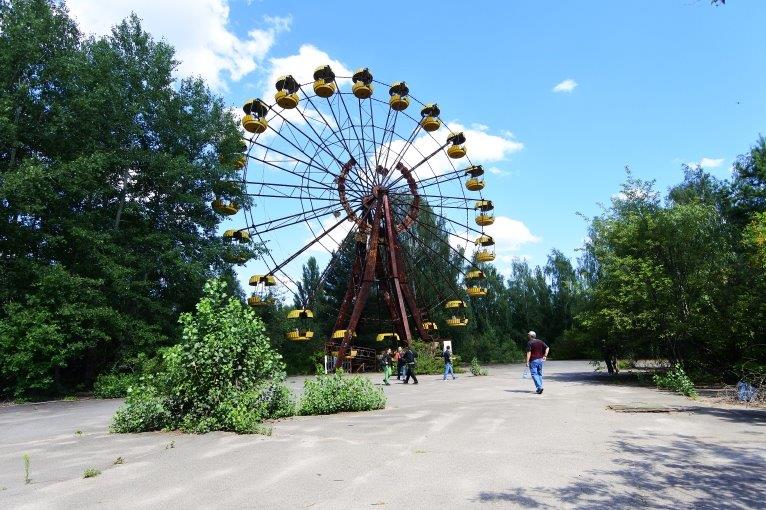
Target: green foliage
[676,379]
[224,375]
[27,479]
[431,362]
[91,473]
[107,169]
[336,393]
[477,369]
[115,385]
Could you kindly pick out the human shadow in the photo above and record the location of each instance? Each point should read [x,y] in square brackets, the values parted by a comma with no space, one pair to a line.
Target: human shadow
[519,391]
[657,471]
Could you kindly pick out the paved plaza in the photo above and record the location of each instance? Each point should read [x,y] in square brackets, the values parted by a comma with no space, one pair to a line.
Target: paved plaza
[476,442]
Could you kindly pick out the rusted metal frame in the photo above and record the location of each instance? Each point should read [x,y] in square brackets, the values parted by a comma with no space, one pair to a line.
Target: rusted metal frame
[395,269]
[364,289]
[408,294]
[356,273]
[383,280]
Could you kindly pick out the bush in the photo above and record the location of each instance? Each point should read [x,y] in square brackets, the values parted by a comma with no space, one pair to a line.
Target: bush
[676,379]
[429,361]
[477,369]
[335,393]
[224,375]
[114,385]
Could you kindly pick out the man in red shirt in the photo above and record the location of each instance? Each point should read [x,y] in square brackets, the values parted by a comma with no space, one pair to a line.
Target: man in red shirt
[537,353]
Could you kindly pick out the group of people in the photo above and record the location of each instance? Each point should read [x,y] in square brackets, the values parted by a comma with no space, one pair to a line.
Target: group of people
[405,365]
[537,353]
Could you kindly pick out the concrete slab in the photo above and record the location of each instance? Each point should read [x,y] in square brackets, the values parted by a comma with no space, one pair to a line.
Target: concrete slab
[476,442]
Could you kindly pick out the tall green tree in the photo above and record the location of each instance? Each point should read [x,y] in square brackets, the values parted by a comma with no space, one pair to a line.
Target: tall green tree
[107,169]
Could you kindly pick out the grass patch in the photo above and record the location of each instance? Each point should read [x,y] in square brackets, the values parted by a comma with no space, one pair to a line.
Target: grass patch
[91,473]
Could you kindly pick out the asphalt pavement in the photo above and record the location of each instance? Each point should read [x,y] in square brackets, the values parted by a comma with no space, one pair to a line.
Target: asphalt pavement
[475,442]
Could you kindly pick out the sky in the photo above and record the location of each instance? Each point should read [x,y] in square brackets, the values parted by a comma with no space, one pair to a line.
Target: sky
[557,96]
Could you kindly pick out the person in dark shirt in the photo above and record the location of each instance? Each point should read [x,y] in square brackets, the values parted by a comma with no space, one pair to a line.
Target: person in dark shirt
[448,363]
[385,360]
[537,353]
[409,361]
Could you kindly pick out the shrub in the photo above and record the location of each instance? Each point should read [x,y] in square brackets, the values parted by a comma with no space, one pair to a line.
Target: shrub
[477,369]
[430,361]
[114,385]
[224,375]
[335,393]
[90,473]
[676,379]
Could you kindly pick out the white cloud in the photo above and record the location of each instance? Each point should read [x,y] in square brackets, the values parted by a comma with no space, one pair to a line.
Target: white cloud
[496,171]
[479,127]
[567,85]
[707,163]
[196,28]
[510,235]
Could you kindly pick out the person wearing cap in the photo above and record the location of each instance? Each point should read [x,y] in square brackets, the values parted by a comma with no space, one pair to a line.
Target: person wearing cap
[537,353]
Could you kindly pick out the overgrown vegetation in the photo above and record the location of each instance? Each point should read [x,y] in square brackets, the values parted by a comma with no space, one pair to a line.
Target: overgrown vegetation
[338,392]
[91,473]
[107,169]
[115,385]
[676,380]
[224,375]
[477,369]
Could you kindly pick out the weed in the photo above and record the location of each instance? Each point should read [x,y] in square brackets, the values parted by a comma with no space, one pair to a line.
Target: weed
[90,473]
[119,460]
[26,469]
[70,398]
[477,369]
[78,432]
[170,445]
[676,379]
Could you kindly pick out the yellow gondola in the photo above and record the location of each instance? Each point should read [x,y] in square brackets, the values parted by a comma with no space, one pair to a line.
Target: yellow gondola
[474,184]
[399,100]
[484,219]
[484,256]
[430,121]
[457,322]
[227,208]
[430,326]
[268,280]
[240,162]
[300,313]
[298,335]
[256,301]
[362,87]
[382,337]
[475,171]
[243,236]
[484,205]
[484,240]
[476,291]
[454,304]
[324,81]
[287,92]
[475,274]
[340,334]
[254,120]
[457,149]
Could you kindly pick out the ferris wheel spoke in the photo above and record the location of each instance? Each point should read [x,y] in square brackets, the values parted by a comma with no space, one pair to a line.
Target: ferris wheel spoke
[296,218]
[338,134]
[436,234]
[290,156]
[436,252]
[356,134]
[324,185]
[308,245]
[420,163]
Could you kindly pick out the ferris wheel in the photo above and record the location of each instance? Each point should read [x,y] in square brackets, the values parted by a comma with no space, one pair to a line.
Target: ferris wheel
[331,165]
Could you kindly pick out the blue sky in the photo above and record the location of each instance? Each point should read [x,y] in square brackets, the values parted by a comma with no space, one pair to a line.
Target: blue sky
[658,83]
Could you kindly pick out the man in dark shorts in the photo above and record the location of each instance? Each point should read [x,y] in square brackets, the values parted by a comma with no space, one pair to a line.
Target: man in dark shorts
[537,353]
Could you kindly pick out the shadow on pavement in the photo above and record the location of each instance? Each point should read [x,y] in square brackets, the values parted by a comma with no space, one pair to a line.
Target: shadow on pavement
[653,471]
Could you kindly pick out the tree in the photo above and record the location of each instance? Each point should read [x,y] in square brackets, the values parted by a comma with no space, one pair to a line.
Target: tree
[107,169]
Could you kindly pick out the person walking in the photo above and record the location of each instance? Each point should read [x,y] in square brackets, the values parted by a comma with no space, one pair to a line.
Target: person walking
[386,362]
[399,363]
[410,357]
[537,353]
[448,363]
